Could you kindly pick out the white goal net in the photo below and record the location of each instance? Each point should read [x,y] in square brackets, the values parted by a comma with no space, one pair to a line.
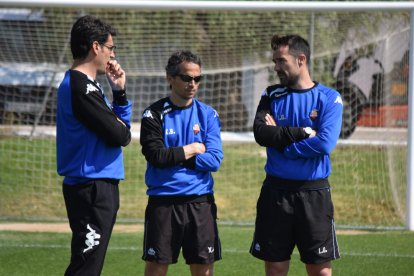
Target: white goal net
[364,55]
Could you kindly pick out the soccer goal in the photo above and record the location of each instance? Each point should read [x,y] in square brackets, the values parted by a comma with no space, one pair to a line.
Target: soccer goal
[359,48]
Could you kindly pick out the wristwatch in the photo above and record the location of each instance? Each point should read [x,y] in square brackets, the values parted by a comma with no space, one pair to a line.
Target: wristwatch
[308,130]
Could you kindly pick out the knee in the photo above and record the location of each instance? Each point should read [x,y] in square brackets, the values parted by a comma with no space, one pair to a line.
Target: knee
[276,268]
[155,269]
[202,269]
[319,269]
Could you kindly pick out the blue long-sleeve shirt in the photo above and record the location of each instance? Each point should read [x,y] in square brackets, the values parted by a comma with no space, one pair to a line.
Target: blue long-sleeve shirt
[89,131]
[290,154]
[165,129]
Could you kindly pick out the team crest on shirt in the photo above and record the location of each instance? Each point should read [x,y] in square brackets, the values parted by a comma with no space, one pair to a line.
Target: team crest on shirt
[196,129]
[313,115]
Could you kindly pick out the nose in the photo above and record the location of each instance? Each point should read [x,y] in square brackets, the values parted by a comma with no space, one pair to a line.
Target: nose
[277,67]
[192,82]
[112,54]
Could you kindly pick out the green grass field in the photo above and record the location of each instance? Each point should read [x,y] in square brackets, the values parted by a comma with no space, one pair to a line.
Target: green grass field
[30,188]
[369,253]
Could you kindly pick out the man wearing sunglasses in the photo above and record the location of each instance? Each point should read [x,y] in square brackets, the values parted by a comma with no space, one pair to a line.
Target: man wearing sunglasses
[90,133]
[180,138]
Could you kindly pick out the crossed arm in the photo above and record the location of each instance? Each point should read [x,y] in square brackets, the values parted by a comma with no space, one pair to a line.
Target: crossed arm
[268,134]
[205,156]
[270,121]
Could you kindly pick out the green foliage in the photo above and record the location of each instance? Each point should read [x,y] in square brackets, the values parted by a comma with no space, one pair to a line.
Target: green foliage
[223,38]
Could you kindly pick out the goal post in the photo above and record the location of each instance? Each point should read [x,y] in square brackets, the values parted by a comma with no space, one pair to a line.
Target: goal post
[360,48]
[410,151]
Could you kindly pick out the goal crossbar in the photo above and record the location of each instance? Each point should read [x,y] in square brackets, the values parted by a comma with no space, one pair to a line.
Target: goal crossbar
[221,5]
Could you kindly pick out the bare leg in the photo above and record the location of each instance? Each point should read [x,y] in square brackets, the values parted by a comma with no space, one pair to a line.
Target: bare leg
[202,269]
[155,269]
[277,268]
[324,269]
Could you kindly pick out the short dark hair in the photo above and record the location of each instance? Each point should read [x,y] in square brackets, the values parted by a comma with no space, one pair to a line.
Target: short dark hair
[85,31]
[297,45]
[179,57]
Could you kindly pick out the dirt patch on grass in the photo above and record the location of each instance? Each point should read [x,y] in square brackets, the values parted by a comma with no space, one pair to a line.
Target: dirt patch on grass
[118,228]
[352,232]
[62,227]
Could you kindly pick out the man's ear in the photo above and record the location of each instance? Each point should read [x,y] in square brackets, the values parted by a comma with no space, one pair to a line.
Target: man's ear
[95,47]
[169,79]
[301,60]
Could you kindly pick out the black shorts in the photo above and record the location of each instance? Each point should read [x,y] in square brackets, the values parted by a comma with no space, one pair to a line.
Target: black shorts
[92,208]
[188,225]
[286,218]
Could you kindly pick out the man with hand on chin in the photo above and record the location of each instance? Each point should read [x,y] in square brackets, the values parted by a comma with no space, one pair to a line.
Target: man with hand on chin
[90,134]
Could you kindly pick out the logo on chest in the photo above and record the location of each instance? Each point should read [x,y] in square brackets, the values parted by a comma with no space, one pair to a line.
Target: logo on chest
[281,117]
[196,129]
[313,115]
[169,131]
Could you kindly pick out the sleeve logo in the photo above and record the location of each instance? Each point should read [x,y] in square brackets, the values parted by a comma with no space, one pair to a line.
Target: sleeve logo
[147,114]
[338,100]
[90,88]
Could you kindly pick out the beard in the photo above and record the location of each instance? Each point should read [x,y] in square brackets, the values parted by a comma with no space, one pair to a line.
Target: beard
[101,72]
[288,80]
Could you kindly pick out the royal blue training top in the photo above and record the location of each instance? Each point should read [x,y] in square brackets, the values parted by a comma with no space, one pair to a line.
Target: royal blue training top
[165,129]
[89,131]
[290,153]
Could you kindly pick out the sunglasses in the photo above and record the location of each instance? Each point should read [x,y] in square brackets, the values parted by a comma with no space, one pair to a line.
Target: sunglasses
[187,78]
